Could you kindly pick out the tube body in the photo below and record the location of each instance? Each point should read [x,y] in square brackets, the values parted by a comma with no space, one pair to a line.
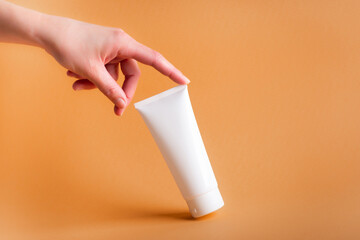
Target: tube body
[171,121]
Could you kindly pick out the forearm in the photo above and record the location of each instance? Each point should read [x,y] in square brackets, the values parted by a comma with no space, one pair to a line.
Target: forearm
[19,25]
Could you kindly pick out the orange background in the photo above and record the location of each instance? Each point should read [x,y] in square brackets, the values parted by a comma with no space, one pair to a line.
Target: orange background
[276,92]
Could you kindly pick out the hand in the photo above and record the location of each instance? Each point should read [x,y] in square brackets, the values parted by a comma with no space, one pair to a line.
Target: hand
[93,53]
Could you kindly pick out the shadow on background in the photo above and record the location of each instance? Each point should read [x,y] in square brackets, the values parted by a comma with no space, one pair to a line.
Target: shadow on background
[185,215]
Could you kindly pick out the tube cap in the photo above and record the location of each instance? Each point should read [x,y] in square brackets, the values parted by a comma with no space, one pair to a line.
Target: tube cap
[205,203]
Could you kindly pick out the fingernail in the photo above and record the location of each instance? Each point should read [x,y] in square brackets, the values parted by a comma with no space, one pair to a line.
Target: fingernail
[187,81]
[121,103]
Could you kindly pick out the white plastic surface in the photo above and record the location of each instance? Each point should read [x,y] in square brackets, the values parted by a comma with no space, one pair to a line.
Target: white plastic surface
[171,121]
[205,203]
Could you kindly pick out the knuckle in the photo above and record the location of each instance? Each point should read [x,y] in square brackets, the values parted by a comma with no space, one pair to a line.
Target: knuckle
[156,57]
[111,92]
[118,33]
[171,73]
[123,40]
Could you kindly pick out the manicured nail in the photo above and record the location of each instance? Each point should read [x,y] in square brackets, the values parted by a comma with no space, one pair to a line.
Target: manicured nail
[121,103]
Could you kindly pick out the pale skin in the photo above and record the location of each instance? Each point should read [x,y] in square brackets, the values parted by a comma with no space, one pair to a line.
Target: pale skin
[91,53]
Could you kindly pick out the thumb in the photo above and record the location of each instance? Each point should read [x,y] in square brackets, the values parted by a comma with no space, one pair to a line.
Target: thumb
[108,86]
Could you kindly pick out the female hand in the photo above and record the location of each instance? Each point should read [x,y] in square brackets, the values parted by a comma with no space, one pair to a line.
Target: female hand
[93,53]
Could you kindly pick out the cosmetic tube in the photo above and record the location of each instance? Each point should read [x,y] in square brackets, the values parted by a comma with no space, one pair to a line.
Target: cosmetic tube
[171,121]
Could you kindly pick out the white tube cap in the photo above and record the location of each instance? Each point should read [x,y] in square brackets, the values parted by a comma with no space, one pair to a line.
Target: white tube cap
[205,203]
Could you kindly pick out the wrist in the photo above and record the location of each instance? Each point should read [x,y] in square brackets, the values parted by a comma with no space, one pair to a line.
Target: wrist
[48,30]
[36,31]
[40,29]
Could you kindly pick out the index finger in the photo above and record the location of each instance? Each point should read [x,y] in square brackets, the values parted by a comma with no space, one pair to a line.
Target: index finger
[153,58]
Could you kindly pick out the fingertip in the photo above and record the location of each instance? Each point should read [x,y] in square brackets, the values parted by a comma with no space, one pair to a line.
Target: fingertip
[178,77]
[118,111]
[75,87]
[83,84]
[181,77]
[186,80]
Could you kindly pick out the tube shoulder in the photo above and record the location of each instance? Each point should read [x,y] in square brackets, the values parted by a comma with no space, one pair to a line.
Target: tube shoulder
[160,96]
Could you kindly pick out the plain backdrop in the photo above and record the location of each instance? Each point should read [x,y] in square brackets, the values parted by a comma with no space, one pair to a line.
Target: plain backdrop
[276,93]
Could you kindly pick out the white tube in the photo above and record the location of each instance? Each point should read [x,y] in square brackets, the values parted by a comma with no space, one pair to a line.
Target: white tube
[171,121]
